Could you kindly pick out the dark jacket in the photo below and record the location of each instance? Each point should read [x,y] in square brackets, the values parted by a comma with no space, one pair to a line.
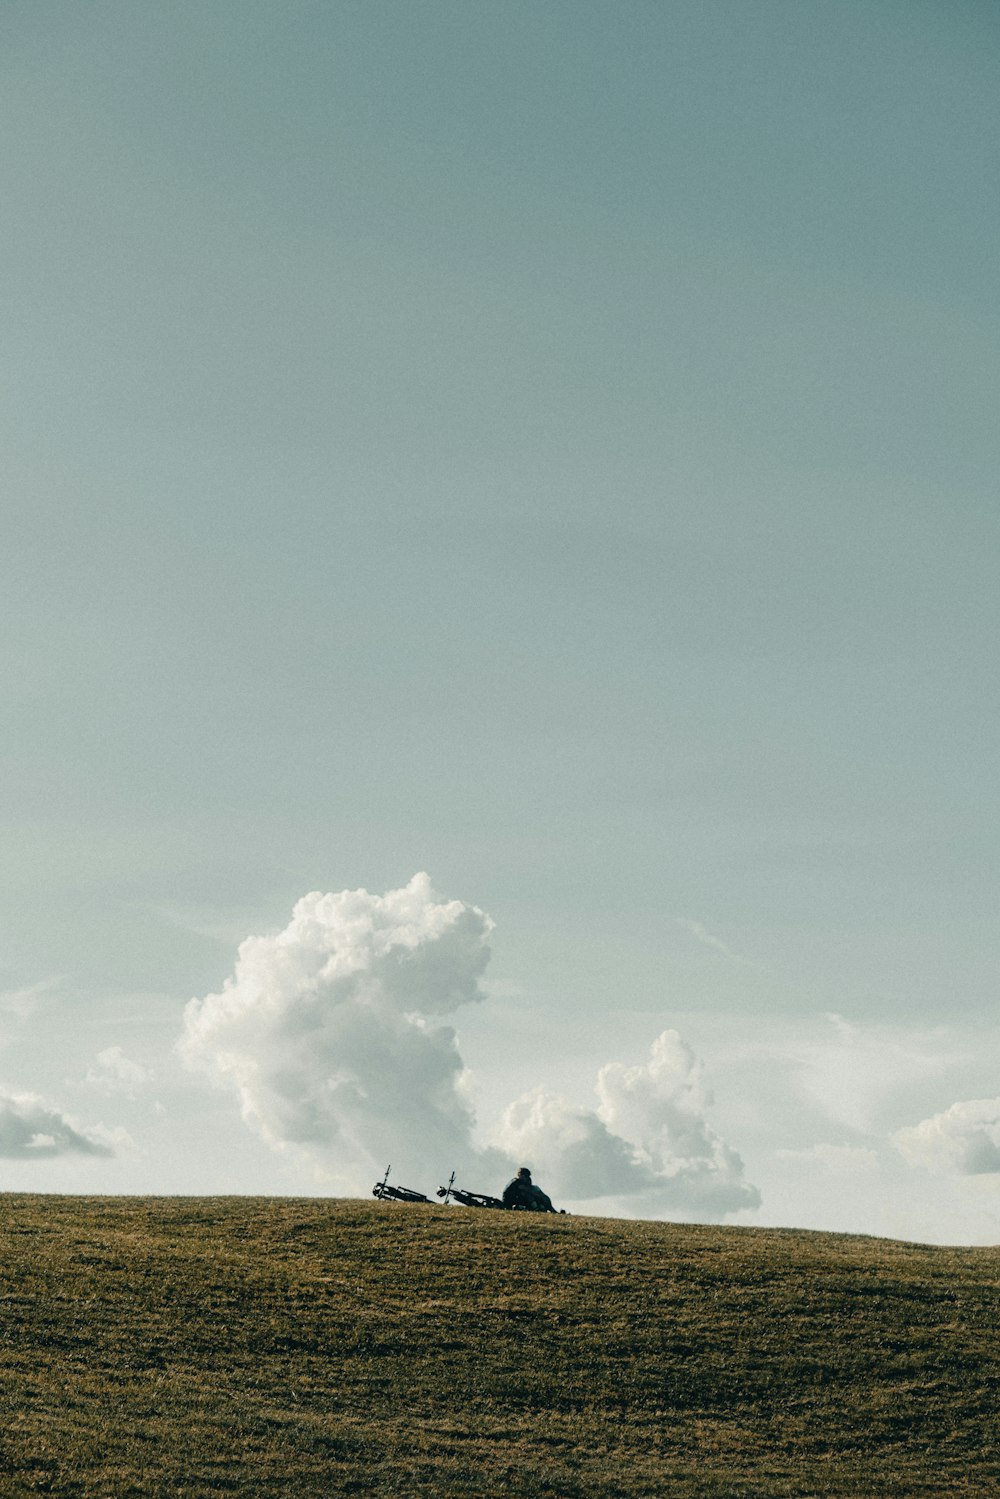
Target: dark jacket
[517,1193]
[522,1193]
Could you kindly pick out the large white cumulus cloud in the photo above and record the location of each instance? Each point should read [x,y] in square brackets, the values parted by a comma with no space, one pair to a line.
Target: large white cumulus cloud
[964,1139]
[647,1140]
[329,1031]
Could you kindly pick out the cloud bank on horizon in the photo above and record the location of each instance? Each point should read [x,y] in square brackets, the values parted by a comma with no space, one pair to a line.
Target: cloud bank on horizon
[962,1140]
[30,1128]
[331,1035]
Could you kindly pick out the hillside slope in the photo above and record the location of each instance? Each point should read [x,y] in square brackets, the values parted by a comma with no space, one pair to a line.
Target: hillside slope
[264,1347]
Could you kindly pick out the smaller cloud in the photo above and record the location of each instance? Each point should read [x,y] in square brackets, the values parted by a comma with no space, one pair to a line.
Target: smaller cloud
[572,1148]
[964,1140]
[21,1004]
[647,1140]
[701,934]
[114,1072]
[30,1128]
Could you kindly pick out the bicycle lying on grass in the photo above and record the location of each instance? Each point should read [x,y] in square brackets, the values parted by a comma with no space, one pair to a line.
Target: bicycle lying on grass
[468,1199]
[385,1193]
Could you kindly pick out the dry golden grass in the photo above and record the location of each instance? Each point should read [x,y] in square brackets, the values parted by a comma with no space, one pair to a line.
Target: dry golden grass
[281,1347]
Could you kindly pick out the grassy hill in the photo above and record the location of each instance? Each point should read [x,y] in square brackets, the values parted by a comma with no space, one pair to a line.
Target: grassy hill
[281,1347]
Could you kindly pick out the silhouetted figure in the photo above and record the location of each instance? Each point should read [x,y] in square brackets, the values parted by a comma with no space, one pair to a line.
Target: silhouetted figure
[522,1193]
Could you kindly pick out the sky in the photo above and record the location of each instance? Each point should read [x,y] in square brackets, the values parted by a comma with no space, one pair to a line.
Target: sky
[499,603]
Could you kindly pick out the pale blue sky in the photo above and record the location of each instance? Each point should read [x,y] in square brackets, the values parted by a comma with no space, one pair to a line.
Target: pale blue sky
[554,446]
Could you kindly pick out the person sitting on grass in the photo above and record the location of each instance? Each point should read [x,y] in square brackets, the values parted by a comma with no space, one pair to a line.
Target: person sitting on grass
[522,1193]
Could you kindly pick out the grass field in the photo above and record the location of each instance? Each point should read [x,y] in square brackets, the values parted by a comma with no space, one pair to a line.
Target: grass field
[285,1347]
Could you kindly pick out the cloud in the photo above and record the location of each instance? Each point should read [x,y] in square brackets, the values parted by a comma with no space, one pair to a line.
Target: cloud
[852,1072]
[963,1140]
[29,1128]
[329,1032]
[571,1148]
[20,1004]
[647,1140]
[701,934]
[117,1073]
